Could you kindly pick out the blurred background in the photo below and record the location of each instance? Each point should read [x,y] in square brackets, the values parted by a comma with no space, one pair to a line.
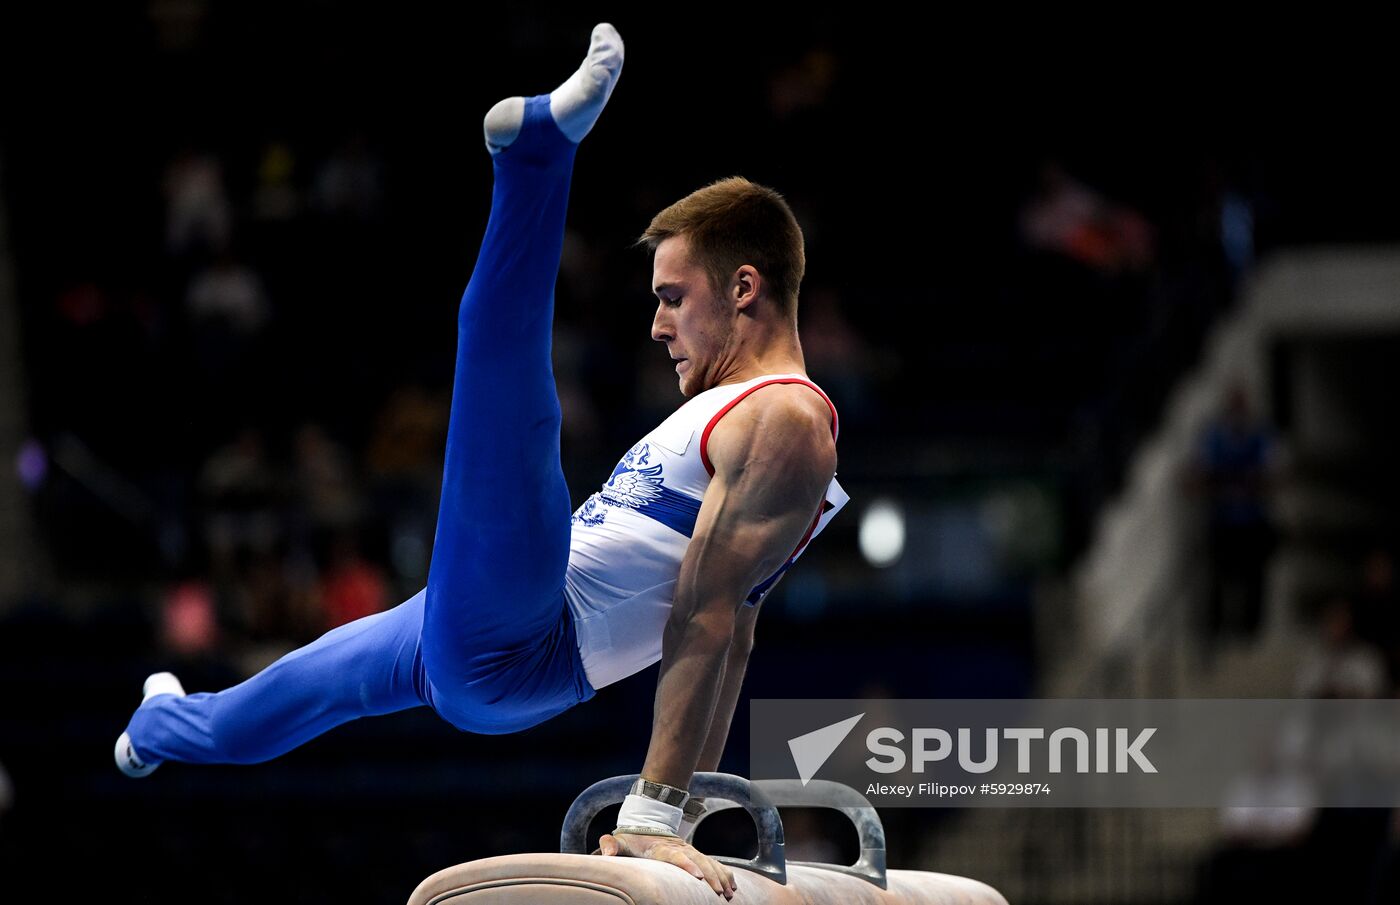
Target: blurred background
[1114,333]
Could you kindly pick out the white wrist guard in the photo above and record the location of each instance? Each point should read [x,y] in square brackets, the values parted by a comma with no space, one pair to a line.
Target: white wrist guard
[639,812]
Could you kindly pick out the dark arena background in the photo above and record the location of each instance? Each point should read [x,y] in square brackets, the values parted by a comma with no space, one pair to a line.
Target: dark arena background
[1111,317]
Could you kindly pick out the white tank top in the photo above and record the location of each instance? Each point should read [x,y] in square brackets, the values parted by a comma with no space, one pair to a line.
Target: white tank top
[629,538]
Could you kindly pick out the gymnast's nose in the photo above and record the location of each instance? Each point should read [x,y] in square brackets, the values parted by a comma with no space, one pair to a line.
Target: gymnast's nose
[662,330]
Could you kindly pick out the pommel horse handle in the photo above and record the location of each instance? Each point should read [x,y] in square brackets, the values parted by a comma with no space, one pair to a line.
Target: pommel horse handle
[724,791]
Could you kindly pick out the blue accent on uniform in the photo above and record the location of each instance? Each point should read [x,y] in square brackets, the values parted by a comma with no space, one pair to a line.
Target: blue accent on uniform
[490,643]
[673,509]
[757,593]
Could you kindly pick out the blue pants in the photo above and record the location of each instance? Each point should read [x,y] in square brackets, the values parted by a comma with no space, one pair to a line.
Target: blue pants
[489,644]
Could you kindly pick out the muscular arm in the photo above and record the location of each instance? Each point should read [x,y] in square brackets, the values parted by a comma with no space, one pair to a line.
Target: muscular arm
[773,457]
[735,665]
[731,683]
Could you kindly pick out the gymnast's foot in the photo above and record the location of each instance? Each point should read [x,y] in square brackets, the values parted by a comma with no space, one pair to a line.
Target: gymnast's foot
[575,104]
[127,759]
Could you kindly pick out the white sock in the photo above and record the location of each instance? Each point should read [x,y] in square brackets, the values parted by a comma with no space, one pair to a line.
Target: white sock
[575,104]
[156,684]
[161,683]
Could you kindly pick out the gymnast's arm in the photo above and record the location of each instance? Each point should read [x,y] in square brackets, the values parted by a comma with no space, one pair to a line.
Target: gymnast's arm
[773,458]
[735,664]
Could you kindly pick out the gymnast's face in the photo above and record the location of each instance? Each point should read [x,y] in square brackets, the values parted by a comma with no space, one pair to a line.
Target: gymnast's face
[694,321]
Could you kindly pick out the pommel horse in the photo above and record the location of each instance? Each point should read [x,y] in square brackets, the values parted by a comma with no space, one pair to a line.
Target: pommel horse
[574,877]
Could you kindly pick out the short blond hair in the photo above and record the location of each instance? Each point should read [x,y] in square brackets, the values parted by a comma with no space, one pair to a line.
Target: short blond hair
[732,222]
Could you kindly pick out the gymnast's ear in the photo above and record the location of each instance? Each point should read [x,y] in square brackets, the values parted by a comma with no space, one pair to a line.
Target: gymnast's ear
[746,286]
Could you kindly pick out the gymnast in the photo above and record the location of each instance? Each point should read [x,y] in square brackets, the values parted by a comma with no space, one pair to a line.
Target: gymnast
[529,610]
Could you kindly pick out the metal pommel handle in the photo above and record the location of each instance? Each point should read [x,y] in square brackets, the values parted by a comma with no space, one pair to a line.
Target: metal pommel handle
[736,792]
[820,793]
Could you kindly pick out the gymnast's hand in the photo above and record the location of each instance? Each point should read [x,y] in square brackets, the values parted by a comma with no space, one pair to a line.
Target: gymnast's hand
[673,850]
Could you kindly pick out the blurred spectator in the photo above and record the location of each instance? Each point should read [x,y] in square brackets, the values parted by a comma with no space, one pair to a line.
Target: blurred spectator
[1228,216]
[1261,850]
[408,438]
[301,595]
[238,488]
[1268,815]
[198,217]
[348,185]
[1236,466]
[263,599]
[325,482]
[229,310]
[404,462]
[351,588]
[276,197]
[1249,820]
[1341,665]
[1071,219]
[230,293]
[189,619]
[1237,232]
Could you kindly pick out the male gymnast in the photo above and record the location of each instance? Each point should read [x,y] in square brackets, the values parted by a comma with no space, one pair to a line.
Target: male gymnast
[528,611]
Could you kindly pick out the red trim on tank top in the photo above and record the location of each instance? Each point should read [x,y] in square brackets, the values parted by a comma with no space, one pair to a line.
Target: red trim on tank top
[705,436]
